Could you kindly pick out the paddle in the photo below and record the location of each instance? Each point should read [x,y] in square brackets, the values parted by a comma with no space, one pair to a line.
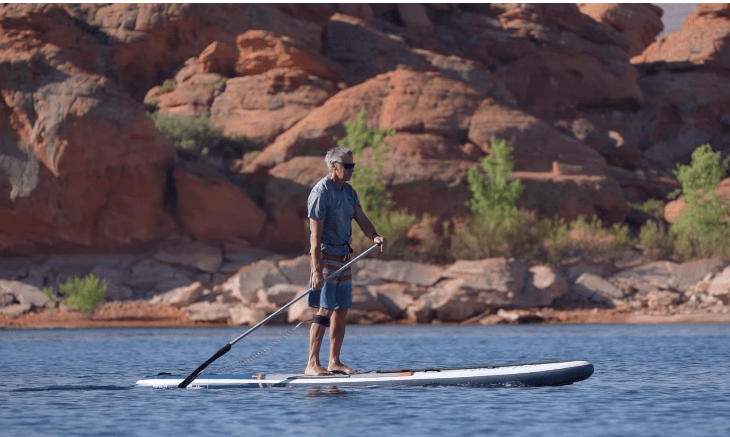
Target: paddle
[222,351]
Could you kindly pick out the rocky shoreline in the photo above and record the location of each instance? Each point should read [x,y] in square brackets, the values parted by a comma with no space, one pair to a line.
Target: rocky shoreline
[188,283]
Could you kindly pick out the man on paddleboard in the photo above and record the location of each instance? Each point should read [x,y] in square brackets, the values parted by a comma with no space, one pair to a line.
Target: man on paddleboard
[332,205]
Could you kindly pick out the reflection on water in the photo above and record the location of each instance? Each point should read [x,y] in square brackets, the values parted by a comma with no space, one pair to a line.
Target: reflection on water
[321,392]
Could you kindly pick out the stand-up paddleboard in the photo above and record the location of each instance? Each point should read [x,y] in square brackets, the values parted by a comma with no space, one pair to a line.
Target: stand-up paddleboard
[549,373]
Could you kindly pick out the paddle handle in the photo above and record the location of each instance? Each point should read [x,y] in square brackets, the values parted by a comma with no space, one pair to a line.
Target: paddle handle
[222,351]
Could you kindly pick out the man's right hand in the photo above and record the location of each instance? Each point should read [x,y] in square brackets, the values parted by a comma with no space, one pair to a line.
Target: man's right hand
[317,280]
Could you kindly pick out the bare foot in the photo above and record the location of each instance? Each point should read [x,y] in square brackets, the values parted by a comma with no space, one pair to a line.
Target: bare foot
[316,370]
[341,368]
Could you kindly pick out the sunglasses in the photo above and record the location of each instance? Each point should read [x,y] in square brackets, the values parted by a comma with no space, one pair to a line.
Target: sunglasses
[347,166]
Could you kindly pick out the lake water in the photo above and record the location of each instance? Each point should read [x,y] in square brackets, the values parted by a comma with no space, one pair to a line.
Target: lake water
[668,380]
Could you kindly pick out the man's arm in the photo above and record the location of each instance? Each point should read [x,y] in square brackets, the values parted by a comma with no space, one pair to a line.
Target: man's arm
[315,241]
[367,227]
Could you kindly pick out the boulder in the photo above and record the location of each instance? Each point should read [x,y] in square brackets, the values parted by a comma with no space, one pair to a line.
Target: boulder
[365,301]
[245,284]
[7,299]
[542,286]
[219,58]
[192,97]
[420,311]
[638,23]
[394,297]
[452,302]
[659,272]
[196,254]
[602,269]
[398,271]
[518,316]
[300,312]
[702,40]
[150,277]
[589,290]
[180,297]
[720,286]
[280,294]
[296,270]
[689,273]
[212,312]
[236,258]
[501,275]
[261,107]
[15,310]
[242,314]
[260,51]
[24,293]
[211,208]
[660,299]
[116,292]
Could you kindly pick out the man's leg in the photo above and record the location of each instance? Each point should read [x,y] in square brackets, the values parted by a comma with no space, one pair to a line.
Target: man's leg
[337,335]
[316,334]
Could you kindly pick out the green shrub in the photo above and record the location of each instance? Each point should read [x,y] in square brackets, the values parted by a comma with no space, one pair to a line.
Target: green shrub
[495,197]
[197,137]
[368,146]
[168,85]
[655,242]
[653,207]
[83,294]
[702,229]
[48,291]
[189,134]
[220,84]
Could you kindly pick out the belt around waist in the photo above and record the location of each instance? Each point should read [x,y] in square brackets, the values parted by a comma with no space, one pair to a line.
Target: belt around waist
[339,258]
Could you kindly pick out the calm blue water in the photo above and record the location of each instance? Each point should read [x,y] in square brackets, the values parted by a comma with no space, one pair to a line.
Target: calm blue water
[649,381]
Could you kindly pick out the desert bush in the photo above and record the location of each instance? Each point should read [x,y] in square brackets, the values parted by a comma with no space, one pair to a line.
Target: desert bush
[83,294]
[655,242]
[168,85]
[195,137]
[702,229]
[368,146]
[653,207]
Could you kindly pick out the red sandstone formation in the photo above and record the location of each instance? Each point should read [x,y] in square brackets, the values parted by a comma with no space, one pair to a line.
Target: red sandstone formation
[84,168]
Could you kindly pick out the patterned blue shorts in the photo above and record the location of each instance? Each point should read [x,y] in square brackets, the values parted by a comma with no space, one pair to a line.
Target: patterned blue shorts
[337,292]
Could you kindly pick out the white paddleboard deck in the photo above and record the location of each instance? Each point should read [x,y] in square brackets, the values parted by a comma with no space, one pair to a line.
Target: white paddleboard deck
[549,373]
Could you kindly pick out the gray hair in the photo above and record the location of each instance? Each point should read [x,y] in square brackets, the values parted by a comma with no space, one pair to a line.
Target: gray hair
[336,155]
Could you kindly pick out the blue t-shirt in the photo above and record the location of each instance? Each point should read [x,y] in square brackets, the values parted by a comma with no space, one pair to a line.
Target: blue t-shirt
[337,208]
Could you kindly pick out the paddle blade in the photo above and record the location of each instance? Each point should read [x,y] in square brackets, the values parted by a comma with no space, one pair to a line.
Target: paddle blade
[222,351]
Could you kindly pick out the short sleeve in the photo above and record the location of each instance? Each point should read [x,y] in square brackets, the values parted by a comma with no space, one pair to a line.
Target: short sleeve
[316,204]
[357,199]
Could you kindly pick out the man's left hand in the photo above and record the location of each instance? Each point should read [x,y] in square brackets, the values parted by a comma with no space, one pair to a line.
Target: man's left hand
[379,241]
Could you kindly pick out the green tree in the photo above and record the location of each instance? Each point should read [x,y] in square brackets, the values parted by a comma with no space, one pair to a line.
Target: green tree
[702,228]
[368,146]
[495,197]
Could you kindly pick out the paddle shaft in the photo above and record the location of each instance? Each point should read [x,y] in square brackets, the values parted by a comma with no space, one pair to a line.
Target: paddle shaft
[222,351]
